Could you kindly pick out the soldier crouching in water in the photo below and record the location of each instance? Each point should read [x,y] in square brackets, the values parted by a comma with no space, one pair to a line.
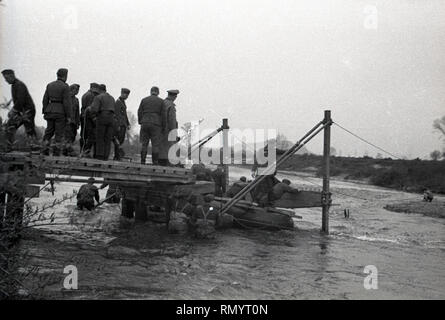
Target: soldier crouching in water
[22,113]
[86,195]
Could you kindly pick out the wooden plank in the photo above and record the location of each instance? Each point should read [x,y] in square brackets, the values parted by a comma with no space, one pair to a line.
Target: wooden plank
[127,172]
[152,172]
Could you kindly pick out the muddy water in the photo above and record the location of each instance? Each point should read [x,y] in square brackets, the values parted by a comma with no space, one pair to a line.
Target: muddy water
[117,259]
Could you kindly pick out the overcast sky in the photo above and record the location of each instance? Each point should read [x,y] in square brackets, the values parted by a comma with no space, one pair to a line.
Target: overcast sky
[378,65]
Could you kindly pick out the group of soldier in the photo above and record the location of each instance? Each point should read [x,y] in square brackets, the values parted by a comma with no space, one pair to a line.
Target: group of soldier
[102,120]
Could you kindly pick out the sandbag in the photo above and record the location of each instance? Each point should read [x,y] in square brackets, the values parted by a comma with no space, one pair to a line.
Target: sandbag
[178,222]
[204,229]
[224,221]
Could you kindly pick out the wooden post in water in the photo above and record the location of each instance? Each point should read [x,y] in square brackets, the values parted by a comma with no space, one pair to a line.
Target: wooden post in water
[226,151]
[326,195]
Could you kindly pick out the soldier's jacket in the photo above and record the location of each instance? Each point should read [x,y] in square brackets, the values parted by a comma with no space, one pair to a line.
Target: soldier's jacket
[87,100]
[121,113]
[220,178]
[150,111]
[169,114]
[201,172]
[103,102]
[280,188]
[87,193]
[75,110]
[21,98]
[236,188]
[57,99]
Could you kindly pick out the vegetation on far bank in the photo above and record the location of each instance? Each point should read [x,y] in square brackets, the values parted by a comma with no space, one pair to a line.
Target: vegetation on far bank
[434,209]
[407,175]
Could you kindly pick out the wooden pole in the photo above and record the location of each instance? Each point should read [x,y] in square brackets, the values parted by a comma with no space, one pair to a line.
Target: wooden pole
[326,195]
[226,151]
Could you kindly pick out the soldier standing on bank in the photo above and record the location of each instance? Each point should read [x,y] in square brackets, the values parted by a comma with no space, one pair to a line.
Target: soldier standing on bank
[170,123]
[71,128]
[22,113]
[89,121]
[150,119]
[87,100]
[122,123]
[103,108]
[56,111]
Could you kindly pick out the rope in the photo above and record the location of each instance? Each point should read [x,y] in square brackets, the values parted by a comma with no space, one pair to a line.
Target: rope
[366,141]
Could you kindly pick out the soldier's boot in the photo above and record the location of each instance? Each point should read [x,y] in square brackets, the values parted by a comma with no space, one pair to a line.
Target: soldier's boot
[117,155]
[86,154]
[9,139]
[9,146]
[155,158]
[45,148]
[143,157]
[71,152]
[33,144]
[65,151]
[56,150]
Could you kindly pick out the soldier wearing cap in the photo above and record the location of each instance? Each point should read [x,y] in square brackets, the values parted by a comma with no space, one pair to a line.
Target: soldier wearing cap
[23,111]
[122,123]
[103,109]
[57,111]
[71,128]
[170,126]
[150,118]
[86,100]
[89,124]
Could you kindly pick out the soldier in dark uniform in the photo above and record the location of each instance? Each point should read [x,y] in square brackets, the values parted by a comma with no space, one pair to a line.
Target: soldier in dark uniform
[169,124]
[87,100]
[71,128]
[150,118]
[22,113]
[86,195]
[122,123]
[201,172]
[220,180]
[103,108]
[237,187]
[56,111]
[281,188]
[89,121]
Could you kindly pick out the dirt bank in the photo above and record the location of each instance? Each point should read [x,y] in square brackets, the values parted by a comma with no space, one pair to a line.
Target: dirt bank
[431,209]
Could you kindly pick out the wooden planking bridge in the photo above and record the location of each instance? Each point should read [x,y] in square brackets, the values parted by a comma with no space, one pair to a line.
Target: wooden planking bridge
[140,184]
[125,172]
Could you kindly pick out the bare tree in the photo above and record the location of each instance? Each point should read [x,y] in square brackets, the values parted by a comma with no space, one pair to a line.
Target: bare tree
[439,126]
[435,155]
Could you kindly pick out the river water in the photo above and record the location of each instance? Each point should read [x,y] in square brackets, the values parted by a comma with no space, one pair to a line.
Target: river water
[121,260]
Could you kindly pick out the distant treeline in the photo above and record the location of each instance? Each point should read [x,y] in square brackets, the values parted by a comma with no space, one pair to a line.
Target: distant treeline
[408,175]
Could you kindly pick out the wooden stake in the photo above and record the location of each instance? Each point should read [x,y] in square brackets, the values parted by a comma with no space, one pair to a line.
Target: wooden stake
[226,151]
[326,196]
